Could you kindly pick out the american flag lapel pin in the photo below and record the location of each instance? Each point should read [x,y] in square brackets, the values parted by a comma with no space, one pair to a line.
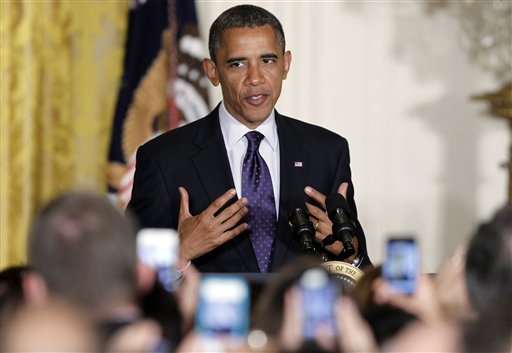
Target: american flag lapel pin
[298,164]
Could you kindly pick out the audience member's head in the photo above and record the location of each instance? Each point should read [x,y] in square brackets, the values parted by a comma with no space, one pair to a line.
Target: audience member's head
[161,306]
[84,250]
[284,301]
[57,327]
[491,331]
[385,320]
[270,303]
[11,291]
[489,262]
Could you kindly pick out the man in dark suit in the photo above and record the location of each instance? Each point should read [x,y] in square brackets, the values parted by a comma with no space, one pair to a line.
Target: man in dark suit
[190,178]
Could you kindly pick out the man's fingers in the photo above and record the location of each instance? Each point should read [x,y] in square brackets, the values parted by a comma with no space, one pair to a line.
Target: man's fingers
[184,210]
[342,189]
[315,211]
[230,234]
[315,195]
[219,202]
[227,213]
[233,218]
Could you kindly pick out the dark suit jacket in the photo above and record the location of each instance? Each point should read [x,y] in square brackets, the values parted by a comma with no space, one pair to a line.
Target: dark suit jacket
[194,156]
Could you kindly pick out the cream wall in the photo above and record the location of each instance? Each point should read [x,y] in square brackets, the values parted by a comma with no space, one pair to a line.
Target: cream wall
[392,78]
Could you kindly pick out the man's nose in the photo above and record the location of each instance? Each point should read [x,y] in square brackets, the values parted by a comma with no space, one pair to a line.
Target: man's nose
[254,75]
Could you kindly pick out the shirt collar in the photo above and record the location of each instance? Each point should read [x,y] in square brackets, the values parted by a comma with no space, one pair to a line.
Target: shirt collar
[233,131]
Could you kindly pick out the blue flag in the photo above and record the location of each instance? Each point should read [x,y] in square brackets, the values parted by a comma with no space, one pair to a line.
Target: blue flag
[163,84]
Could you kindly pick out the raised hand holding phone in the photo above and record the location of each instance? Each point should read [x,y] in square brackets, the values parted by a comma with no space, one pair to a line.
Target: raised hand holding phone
[223,306]
[401,265]
[403,285]
[159,248]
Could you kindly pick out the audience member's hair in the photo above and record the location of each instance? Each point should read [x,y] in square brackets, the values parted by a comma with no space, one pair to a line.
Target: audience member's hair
[489,262]
[11,291]
[270,303]
[84,249]
[242,16]
[385,320]
[161,306]
[491,332]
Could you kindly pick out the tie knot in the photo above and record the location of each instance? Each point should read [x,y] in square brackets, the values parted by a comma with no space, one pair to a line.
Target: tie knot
[254,139]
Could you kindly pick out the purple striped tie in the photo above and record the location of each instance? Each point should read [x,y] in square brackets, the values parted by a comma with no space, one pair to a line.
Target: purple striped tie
[257,188]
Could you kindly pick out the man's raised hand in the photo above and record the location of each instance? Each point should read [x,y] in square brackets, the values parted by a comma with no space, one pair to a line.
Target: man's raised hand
[204,232]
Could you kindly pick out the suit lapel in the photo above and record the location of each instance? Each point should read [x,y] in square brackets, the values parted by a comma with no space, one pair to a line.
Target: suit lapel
[294,169]
[212,167]
[211,163]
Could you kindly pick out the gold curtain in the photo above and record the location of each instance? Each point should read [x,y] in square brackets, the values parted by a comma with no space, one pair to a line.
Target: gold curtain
[60,65]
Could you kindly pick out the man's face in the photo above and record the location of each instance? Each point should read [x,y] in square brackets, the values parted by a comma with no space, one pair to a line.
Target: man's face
[250,68]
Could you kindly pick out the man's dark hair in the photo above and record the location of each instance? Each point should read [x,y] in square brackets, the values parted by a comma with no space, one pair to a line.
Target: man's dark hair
[84,249]
[242,16]
[489,262]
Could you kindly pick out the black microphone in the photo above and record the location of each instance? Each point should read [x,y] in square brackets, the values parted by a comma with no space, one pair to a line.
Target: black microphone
[343,228]
[302,227]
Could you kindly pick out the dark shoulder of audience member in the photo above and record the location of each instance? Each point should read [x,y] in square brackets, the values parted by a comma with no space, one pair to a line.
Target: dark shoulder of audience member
[160,305]
[488,267]
[385,320]
[11,291]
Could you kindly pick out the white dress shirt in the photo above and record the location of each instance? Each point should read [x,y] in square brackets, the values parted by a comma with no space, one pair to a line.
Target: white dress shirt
[236,145]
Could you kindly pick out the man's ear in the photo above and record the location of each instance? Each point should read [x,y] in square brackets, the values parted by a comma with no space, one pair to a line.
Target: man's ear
[35,289]
[210,69]
[287,60]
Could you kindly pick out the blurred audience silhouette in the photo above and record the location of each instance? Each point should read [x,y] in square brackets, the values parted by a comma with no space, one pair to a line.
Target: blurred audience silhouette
[84,289]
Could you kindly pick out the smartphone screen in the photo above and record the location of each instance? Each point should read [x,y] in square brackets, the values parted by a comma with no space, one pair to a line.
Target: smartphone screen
[318,293]
[159,249]
[401,265]
[223,306]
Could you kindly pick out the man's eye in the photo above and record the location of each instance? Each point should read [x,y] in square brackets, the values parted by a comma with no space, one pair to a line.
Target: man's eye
[236,64]
[269,61]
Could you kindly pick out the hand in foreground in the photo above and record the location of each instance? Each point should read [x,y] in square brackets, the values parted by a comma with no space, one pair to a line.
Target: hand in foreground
[292,329]
[187,294]
[450,286]
[138,337]
[423,302]
[323,224]
[204,232]
[355,334]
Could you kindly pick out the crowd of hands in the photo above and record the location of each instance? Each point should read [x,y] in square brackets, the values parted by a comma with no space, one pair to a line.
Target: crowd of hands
[440,308]
[465,306]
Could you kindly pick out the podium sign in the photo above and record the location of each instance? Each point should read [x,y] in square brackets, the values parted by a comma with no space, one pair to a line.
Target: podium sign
[345,272]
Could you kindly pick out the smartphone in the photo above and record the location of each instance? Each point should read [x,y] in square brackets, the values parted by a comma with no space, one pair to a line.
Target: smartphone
[401,265]
[159,249]
[223,306]
[319,292]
